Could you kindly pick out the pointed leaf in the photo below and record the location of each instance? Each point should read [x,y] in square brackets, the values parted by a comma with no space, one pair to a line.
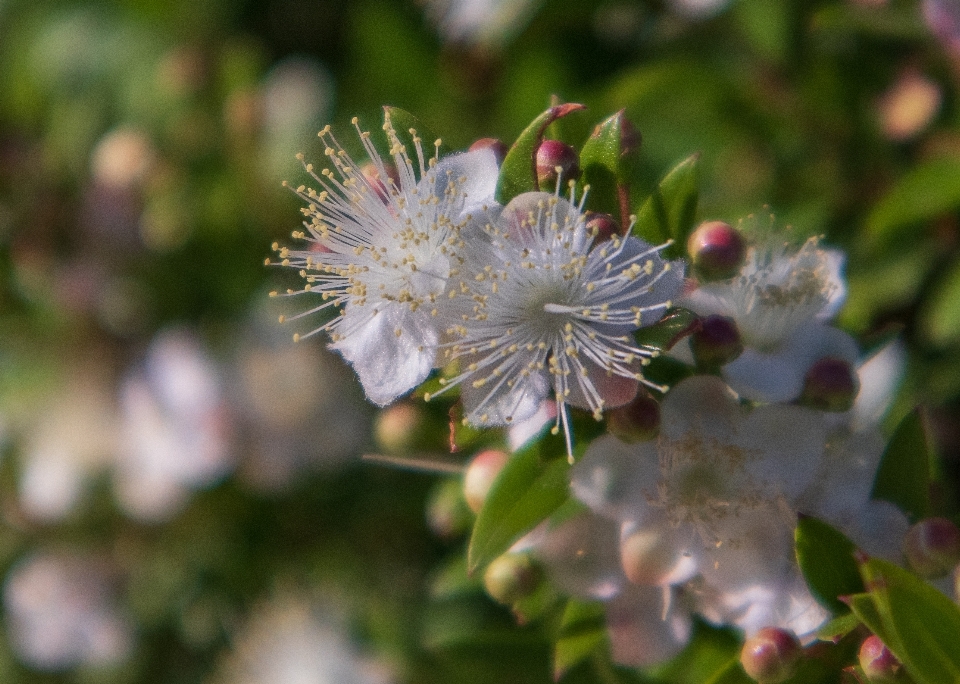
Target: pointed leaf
[827,562]
[518,173]
[676,324]
[670,212]
[838,627]
[604,167]
[903,477]
[921,623]
[583,632]
[527,490]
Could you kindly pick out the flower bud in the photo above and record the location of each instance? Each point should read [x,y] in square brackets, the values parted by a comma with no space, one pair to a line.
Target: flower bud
[511,577]
[877,662]
[932,547]
[396,428]
[446,512]
[601,226]
[637,421]
[647,557]
[498,147]
[717,250]
[553,155]
[771,655]
[716,342]
[831,384]
[481,473]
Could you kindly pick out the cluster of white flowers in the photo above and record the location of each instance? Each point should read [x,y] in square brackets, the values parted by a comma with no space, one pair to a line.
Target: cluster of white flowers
[701,519]
[424,269]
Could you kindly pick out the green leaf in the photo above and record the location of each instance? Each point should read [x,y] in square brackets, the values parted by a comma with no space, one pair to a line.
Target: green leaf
[903,477]
[838,627]
[409,131]
[670,212]
[863,606]
[527,490]
[604,168]
[706,658]
[676,324]
[518,173]
[583,631]
[941,315]
[929,190]
[921,625]
[826,560]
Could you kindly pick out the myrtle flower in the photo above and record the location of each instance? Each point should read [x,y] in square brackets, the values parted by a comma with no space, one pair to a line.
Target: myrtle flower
[780,302]
[540,304]
[700,490]
[383,238]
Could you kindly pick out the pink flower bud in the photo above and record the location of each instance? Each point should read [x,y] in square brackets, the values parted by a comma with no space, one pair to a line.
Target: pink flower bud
[447,513]
[932,547]
[602,227]
[831,384]
[396,428]
[877,662]
[637,421]
[481,473]
[498,147]
[771,655]
[717,250]
[553,155]
[647,557]
[716,342]
[511,577]
[380,184]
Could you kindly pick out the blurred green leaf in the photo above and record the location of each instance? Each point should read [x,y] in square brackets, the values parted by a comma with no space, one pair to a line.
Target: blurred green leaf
[712,655]
[670,212]
[408,127]
[518,173]
[903,477]
[826,560]
[838,627]
[674,326]
[921,625]
[927,191]
[527,490]
[941,316]
[886,21]
[604,169]
[583,631]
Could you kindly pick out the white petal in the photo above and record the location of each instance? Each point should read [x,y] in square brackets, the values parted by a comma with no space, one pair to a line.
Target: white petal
[498,403]
[582,556]
[480,171]
[646,626]
[388,365]
[615,479]
[787,443]
[703,405]
[614,390]
[879,377]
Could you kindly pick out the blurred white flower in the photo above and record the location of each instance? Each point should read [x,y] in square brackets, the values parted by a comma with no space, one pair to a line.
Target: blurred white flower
[175,433]
[74,436]
[61,612]
[780,302]
[296,406]
[290,641]
[480,22]
[538,306]
[943,19]
[699,9]
[383,240]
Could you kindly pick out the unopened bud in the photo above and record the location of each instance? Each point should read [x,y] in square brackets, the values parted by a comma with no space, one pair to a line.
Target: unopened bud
[553,155]
[647,557]
[831,384]
[396,428]
[716,342]
[932,547]
[717,250]
[637,421]
[877,662]
[498,147]
[511,577]
[481,473]
[602,227]
[447,512]
[771,655]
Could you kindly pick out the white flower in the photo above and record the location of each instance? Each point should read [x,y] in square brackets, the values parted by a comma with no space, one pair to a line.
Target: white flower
[696,494]
[61,612]
[382,243]
[780,302]
[480,22]
[539,306]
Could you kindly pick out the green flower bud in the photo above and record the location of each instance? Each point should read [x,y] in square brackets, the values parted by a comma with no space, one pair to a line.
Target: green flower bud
[511,577]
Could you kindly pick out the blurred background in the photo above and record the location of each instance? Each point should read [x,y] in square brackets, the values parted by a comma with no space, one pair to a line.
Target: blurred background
[182,497]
